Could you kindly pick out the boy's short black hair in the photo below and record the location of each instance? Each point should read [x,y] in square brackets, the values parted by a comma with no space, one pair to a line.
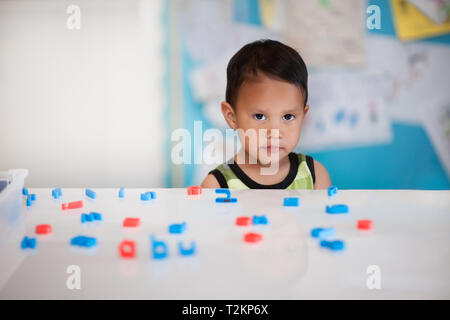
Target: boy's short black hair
[270,57]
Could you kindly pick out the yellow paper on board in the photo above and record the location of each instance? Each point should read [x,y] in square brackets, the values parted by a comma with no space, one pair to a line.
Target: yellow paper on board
[267,8]
[412,24]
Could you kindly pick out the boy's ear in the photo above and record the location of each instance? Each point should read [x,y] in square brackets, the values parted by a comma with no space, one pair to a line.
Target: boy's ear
[229,115]
[305,110]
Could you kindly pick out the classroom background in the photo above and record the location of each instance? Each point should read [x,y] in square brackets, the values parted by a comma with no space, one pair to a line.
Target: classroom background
[95,105]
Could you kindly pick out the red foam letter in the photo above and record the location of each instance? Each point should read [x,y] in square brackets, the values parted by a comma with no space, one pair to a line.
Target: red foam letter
[364,224]
[252,237]
[131,222]
[243,221]
[43,229]
[194,190]
[127,249]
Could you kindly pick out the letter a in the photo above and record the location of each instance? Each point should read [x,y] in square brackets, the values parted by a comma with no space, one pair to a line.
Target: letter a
[74,20]
[74,280]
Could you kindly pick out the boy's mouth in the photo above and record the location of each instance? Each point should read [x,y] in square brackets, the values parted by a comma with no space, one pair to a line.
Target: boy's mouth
[273,148]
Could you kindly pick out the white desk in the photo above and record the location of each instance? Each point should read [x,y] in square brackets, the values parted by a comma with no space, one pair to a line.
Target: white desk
[410,243]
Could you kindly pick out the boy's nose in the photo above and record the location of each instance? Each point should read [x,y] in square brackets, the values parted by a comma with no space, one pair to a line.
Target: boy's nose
[274,129]
[273,132]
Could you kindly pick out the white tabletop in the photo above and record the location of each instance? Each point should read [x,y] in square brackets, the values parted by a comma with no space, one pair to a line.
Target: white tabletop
[409,243]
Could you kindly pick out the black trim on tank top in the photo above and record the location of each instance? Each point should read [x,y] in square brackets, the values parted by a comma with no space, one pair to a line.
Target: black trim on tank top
[310,163]
[220,178]
[249,182]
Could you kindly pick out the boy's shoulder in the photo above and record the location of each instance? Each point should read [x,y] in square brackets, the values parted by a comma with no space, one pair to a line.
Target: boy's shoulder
[221,167]
[222,177]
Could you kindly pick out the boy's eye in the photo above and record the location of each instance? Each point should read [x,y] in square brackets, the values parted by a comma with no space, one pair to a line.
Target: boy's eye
[259,116]
[288,117]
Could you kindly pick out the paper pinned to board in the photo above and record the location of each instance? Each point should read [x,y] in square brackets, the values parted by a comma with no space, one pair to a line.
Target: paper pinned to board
[436,120]
[326,33]
[414,73]
[436,10]
[210,33]
[346,110]
[210,81]
[418,19]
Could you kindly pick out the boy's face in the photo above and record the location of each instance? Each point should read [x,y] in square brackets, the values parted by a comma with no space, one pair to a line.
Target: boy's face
[266,103]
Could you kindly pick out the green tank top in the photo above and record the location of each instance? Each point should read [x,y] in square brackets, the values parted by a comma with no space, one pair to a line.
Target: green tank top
[301,175]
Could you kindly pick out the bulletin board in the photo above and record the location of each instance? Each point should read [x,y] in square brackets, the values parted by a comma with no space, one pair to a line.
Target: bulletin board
[385,97]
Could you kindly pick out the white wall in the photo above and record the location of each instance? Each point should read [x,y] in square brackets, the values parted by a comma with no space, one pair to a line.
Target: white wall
[83,108]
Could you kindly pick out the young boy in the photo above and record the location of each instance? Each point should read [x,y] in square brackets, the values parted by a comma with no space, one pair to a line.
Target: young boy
[267,92]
